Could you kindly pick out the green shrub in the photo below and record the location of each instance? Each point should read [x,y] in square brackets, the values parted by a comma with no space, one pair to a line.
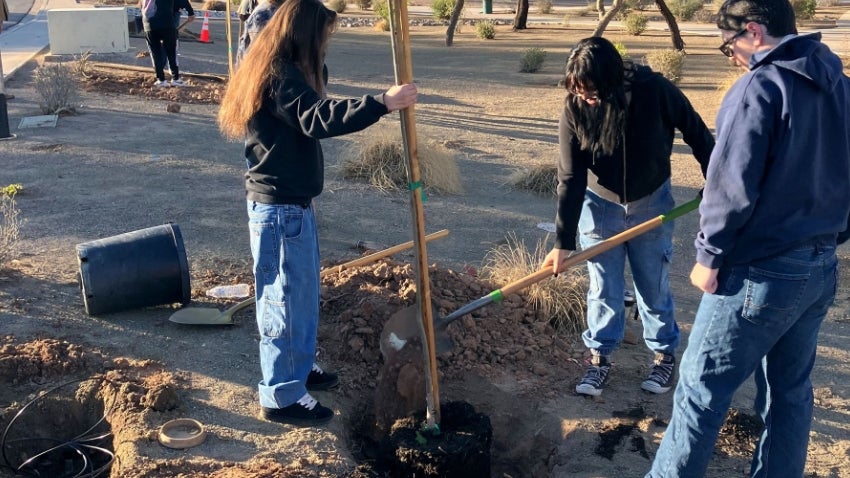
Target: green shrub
[382,11]
[544,6]
[669,62]
[337,5]
[442,9]
[684,10]
[804,9]
[532,59]
[485,29]
[621,49]
[635,24]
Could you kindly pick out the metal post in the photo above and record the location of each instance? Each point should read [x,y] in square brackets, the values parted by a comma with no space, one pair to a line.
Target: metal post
[4,115]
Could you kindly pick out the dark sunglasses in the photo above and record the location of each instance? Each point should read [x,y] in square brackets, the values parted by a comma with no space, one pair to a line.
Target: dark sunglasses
[726,47]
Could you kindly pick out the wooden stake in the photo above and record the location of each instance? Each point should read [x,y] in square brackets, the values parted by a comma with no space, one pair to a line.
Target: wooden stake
[403,67]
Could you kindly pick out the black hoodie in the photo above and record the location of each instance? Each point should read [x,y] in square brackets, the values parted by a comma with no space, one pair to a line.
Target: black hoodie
[640,166]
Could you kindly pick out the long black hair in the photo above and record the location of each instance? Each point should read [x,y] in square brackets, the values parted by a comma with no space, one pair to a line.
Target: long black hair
[595,65]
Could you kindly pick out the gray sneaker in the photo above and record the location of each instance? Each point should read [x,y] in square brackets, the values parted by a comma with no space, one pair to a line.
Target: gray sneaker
[595,377]
[660,379]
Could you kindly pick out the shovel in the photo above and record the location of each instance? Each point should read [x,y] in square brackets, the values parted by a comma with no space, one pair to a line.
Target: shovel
[404,325]
[209,316]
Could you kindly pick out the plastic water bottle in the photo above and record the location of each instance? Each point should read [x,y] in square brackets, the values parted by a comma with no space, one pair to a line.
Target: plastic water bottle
[234,291]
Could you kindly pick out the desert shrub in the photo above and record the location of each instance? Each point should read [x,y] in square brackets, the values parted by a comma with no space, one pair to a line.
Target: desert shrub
[381,163]
[382,11]
[82,64]
[804,9]
[485,29]
[621,49]
[544,6]
[57,88]
[539,179]
[382,25]
[635,23]
[559,300]
[669,62]
[532,60]
[214,6]
[364,4]
[684,10]
[442,9]
[10,227]
[337,5]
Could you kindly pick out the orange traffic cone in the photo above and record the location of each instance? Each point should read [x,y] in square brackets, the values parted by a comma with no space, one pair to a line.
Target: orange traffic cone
[205,29]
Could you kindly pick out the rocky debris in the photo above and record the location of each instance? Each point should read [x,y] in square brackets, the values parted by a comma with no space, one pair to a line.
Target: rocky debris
[507,338]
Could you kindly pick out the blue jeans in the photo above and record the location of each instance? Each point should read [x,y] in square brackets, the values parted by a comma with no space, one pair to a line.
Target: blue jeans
[285,246]
[649,257]
[764,319]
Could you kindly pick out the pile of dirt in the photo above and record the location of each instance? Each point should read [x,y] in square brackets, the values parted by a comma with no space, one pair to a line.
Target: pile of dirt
[117,79]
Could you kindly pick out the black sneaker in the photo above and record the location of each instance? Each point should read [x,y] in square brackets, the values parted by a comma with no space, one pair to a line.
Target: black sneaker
[320,380]
[595,377]
[660,378]
[305,412]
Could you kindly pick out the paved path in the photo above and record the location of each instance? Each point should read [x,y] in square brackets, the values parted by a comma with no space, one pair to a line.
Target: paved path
[25,35]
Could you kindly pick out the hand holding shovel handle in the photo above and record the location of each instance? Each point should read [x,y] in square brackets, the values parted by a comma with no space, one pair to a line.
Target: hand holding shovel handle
[608,244]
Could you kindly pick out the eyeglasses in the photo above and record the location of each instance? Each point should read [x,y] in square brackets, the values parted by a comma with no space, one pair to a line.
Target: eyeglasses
[726,47]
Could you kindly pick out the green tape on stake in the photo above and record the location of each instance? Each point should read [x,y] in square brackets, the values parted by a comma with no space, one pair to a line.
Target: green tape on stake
[415,186]
[496,295]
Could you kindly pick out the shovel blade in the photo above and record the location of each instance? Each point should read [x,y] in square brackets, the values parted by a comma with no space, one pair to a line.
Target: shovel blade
[201,316]
[405,325]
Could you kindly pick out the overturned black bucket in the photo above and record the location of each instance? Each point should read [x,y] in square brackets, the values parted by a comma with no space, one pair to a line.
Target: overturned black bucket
[133,270]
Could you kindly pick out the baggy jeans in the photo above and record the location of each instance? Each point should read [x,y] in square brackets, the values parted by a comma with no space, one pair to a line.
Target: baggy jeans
[285,246]
[764,319]
[649,258]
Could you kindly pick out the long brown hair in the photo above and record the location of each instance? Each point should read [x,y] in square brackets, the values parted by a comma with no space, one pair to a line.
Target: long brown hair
[297,33]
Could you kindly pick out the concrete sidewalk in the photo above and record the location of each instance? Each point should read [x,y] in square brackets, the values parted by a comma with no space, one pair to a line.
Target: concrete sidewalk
[23,41]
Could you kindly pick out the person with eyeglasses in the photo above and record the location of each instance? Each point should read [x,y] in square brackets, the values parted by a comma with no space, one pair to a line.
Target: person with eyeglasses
[616,135]
[775,205]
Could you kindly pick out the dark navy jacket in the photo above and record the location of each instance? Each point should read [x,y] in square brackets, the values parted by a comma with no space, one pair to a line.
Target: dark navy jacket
[780,173]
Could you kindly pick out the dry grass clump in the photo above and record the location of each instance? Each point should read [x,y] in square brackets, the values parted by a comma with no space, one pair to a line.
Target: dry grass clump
[540,179]
[561,299]
[10,227]
[381,163]
[215,6]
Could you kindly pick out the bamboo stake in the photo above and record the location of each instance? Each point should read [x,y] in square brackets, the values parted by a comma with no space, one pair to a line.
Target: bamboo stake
[403,67]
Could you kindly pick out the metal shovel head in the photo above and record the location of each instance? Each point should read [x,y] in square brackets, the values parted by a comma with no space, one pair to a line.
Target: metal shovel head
[406,324]
[208,316]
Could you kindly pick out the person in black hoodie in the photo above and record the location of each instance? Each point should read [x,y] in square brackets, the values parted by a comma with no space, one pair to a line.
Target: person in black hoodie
[276,99]
[616,136]
[776,204]
[161,36]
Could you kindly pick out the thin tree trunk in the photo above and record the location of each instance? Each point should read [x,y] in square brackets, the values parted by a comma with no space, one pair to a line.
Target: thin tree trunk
[606,19]
[600,8]
[675,35]
[521,18]
[450,33]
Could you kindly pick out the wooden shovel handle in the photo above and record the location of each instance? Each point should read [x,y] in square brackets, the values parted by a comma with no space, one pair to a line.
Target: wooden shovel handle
[381,254]
[601,247]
